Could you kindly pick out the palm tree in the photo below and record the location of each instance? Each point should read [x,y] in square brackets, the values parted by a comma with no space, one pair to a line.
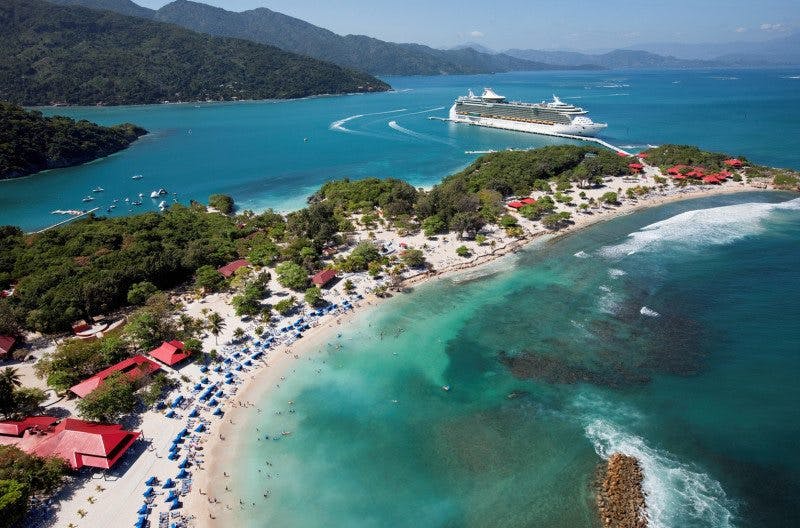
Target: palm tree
[10,378]
[216,324]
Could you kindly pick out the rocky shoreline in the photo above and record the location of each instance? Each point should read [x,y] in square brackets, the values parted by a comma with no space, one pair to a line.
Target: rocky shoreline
[620,497]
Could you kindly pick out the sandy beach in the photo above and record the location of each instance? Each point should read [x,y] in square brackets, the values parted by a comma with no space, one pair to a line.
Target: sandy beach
[112,498]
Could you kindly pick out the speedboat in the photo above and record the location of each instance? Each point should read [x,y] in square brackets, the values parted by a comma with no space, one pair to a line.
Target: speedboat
[137,202]
[162,205]
[88,199]
[137,177]
[160,192]
[98,190]
[127,199]
[141,195]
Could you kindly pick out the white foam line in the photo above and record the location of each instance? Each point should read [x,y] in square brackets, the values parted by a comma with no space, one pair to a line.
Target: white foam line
[417,135]
[337,125]
[424,111]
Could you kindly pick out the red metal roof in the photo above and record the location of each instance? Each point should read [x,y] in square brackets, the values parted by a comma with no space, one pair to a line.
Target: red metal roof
[323,277]
[83,443]
[622,154]
[169,353]
[515,204]
[229,269]
[733,162]
[134,368]
[675,169]
[643,155]
[635,165]
[528,201]
[17,427]
[7,344]
[711,179]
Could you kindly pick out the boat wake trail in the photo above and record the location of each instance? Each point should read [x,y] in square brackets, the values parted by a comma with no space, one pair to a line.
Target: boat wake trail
[417,135]
[677,493]
[429,110]
[339,125]
[700,228]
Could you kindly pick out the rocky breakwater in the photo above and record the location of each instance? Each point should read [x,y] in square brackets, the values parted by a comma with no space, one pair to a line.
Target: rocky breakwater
[620,498]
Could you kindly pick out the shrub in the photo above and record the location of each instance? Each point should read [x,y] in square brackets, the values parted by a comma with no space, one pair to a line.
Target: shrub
[463,251]
[221,202]
[413,258]
[292,276]
[140,292]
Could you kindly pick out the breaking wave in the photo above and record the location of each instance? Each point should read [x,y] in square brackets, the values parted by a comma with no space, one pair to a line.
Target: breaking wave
[676,493]
[581,255]
[649,312]
[702,227]
[339,125]
[614,273]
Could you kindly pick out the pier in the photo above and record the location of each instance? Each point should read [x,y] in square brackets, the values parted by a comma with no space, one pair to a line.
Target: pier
[68,220]
[553,134]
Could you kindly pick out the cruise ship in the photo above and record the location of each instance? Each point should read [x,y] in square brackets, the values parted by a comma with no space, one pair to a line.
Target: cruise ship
[547,117]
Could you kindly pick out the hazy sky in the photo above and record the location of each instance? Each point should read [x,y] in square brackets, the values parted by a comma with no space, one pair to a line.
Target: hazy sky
[573,24]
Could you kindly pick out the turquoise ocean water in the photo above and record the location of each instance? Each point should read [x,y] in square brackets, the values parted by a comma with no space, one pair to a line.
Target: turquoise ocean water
[256,151]
[670,335]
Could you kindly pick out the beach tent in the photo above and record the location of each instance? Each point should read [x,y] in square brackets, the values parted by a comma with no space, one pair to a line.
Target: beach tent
[148,492]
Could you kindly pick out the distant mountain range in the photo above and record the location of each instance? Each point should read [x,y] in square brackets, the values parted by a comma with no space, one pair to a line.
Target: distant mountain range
[74,55]
[613,59]
[360,52]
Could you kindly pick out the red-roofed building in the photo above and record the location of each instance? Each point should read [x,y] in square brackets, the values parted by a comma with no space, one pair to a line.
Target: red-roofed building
[724,175]
[710,179]
[18,427]
[7,344]
[134,368]
[643,155]
[229,269]
[733,162]
[80,326]
[323,277]
[170,353]
[675,169]
[622,154]
[697,172]
[515,204]
[528,201]
[83,443]
[635,168]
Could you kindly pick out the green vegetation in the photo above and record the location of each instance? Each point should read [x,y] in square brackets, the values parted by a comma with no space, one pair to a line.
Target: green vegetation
[285,306]
[140,292]
[666,156]
[413,258]
[463,251]
[360,258]
[80,56]
[221,202]
[292,276]
[786,180]
[110,401]
[30,142]
[14,498]
[22,476]
[543,206]
[17,401]
[313,297]
[610,198]
[556,220]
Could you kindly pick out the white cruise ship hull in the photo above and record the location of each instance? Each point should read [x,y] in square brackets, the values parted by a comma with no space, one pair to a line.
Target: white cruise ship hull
[572,129]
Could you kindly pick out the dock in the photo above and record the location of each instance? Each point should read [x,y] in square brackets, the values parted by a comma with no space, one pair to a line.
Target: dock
[68,220]
[589,139]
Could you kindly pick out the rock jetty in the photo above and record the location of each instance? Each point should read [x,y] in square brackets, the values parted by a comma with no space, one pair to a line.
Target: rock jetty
[620,498]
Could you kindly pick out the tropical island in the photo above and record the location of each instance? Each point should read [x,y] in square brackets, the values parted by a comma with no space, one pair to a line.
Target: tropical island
[78,56]
[173,286]
[30,142]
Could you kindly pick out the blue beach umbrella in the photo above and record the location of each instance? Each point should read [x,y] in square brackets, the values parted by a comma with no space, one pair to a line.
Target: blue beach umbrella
[217,412]
[213,403]
[200,428]
[143,510]
[175,504]
[183,463]
[219,394]
[182,474]
[218,369]
[168,483]
[183,432]
[194,413]
[204,369]
[171,496]
[170,414]
[152,480]
[173,455]
[248,363]
[141,521]
[148,492]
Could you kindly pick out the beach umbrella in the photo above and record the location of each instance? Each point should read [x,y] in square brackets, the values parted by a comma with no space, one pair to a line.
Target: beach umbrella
[148,492]
[200,428]
[184,432]
[213,403]
[170,414]
[194,413]
[204,380]
[168,483]
[182,474]
[175,447]
[219,394]
[204,369]
[143,510]
[218,369]
[217,412]
[238,367]
[172,455]
[171,496]
[248,363]
[141,521]
[175,504]
[151,481]
[183,463]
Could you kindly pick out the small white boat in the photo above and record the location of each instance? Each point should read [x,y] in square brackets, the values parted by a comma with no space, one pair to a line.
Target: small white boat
[88,199]
[154,194]
[98,190]
[162,205]
[127,199]
[137,202]
[115,200]
[112,206]
[141,195]
[137,177]
[160,192]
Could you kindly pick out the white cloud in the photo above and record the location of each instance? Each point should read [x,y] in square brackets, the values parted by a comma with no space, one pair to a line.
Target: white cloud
[476,34]
[773,27]
[741,30]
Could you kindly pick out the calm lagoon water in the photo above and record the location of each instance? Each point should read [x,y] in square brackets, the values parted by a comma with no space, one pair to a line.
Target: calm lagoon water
[257,151]
[670,335]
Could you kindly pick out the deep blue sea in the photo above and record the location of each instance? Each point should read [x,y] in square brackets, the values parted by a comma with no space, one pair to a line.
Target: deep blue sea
[258,153]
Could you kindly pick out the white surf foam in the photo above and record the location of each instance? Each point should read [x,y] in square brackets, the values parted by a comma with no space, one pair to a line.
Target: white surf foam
[699,228]
[791,77]
[339,125]
[676,494]
[422,137]
[615,272]
[649,312]
[581,255]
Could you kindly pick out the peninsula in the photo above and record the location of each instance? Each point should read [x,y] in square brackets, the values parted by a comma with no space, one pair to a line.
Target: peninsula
[229,302]
[30,142]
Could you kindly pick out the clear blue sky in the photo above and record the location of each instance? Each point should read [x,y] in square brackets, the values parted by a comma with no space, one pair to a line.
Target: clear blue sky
[569,24]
